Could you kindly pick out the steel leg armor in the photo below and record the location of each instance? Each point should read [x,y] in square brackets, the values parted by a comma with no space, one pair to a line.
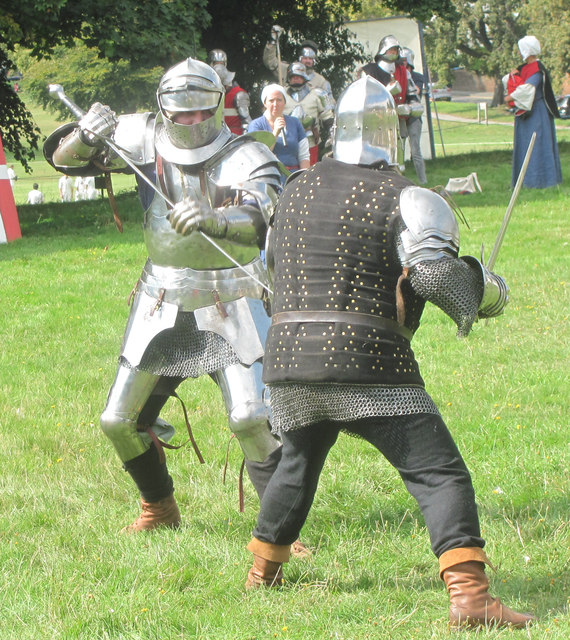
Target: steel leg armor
[119,421]
[195,312]
[248,410]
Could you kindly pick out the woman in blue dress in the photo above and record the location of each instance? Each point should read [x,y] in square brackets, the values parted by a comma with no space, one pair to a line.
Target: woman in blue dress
[291,144]
[531,92]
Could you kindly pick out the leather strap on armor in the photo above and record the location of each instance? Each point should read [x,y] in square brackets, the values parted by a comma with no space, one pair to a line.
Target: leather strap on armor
[348,317]
[241,491]
[161,445]
[112,201]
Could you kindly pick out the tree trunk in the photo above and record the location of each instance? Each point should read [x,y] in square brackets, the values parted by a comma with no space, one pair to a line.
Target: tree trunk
[498,93]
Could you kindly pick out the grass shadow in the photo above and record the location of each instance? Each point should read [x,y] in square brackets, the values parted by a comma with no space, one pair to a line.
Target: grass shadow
[55,219]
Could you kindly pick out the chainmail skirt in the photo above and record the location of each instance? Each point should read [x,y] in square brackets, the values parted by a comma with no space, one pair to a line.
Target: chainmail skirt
[187,352]
[297,405]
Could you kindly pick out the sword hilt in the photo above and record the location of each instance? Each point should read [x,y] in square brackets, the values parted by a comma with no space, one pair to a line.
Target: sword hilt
[57,90]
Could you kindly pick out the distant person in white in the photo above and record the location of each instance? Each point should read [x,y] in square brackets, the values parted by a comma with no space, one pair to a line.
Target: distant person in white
[35,196]
[90,192]
[79,188]
[65,185]
[12,175]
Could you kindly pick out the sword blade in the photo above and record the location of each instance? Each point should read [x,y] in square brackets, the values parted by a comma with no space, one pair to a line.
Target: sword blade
[57,90]
[499,241]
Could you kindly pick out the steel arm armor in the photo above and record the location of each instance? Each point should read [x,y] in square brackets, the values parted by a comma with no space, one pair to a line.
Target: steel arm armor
[67,151]
[428,247]
[244,223]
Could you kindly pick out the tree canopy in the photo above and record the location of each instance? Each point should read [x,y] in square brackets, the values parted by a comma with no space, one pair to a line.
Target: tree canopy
[483,38]
[548,21]
[121,46]
[145,34]
[86,79]
[243,28]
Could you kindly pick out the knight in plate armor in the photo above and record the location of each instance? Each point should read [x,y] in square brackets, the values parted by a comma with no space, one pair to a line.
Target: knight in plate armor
[357,251]
[194,311]
[310,105]
[236,100]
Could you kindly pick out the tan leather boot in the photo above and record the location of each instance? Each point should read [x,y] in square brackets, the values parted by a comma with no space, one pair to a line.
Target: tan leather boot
[264,573]
[267,560]
[163,513]
[470,602]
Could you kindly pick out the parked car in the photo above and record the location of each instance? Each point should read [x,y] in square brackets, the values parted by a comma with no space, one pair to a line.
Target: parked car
[564,106]
[439,93]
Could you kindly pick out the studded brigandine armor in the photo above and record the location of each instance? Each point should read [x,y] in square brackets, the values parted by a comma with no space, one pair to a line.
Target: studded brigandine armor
[339,348]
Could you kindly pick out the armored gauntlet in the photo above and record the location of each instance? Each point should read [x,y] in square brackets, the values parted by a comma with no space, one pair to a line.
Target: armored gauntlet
[495,290]
[196,215]
[98,121]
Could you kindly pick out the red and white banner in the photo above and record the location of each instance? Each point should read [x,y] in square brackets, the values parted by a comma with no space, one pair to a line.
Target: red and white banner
[9,223]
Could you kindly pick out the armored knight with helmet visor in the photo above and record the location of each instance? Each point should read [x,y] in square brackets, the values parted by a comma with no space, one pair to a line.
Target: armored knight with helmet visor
[194,311]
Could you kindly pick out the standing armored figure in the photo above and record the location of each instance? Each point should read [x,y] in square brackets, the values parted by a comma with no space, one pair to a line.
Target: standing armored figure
[389,69]
[194,312]
[310,105]
[236,100]
[358,250]
[416,83]
[307,56]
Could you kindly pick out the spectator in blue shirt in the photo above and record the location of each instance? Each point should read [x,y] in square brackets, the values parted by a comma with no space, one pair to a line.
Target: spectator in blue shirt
[291,144]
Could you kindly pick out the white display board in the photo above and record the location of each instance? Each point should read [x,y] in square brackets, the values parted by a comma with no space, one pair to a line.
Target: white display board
[408,32]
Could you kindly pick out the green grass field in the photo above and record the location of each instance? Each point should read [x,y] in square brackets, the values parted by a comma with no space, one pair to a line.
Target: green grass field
[67,573]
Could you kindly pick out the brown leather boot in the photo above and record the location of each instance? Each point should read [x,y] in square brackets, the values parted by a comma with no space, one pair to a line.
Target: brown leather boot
[163,513]
[470,602]
[264,573]
[267,560]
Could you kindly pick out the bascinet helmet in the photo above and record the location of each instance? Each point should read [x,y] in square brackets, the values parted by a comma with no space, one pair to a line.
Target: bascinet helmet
[387,42]
[365,129]
[297,69]
[309,49]
[408,54]
[191,86]
[217,56]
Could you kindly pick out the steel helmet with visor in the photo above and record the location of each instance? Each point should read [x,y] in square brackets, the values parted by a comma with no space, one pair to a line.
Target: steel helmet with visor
[387,43]
[190,86]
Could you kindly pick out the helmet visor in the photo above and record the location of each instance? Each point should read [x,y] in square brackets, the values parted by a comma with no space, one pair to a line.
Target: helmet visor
[188,94]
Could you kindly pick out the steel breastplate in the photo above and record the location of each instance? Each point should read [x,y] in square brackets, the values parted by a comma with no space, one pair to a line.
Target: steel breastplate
[168,248]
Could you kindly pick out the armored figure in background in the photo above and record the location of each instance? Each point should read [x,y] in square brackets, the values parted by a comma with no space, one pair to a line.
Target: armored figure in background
[194,312]
[413,122]
[307,55]
[388,69]
[358,250]
[310,105]
[236,100]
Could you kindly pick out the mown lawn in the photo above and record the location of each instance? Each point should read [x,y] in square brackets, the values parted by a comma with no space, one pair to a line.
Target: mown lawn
[67,573]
